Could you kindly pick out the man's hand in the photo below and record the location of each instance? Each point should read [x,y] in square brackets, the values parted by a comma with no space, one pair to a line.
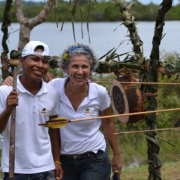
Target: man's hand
[12,100]
[58,171]
[117,164]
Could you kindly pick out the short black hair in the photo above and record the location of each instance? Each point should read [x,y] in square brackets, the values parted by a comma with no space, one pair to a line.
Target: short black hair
[39,47]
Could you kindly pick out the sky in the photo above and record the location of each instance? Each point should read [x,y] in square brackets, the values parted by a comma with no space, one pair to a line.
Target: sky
[156,1]
[175,2]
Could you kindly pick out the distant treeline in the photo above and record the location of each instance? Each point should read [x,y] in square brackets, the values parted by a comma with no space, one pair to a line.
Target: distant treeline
[95,11]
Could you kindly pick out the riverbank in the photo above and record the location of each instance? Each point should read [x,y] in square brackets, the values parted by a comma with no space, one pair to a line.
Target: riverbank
[99,11]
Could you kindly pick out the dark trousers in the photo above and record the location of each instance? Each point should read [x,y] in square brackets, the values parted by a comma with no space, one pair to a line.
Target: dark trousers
[86,166]
[38,176]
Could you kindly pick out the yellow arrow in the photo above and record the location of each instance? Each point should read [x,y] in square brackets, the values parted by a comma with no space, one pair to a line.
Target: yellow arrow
[62,121]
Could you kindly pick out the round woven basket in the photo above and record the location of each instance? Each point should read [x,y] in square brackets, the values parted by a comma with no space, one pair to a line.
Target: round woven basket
[126,99]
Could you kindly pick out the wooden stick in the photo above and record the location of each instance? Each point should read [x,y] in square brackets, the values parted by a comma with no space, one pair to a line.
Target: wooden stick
[12,131]
[61,122]
[150,130]
[150,83]
[158,83]
[127,114]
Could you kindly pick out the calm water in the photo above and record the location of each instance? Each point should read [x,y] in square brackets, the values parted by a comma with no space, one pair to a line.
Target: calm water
[102,35]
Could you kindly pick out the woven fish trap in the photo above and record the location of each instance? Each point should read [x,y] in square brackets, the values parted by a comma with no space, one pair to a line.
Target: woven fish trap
[126,98]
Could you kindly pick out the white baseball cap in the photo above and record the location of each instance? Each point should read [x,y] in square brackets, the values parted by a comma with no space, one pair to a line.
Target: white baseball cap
[31,46]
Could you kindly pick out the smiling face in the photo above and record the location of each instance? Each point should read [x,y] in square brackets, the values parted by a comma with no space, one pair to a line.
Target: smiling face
[34,67]
[79,69]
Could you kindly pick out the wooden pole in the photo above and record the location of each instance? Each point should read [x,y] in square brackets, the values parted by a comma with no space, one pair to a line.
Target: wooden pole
[127,114]
[150,83]
[61,121]
[12,131]
[147,130]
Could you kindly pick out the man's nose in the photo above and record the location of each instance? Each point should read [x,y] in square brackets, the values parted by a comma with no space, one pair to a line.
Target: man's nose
[40,63]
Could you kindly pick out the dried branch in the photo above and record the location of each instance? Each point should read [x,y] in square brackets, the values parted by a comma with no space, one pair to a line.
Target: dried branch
[152,140]
[27,24]
[158,33]
[4,28]
[13,132]
[128,21]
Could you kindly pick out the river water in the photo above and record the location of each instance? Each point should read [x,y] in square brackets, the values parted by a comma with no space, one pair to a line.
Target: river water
[102,35]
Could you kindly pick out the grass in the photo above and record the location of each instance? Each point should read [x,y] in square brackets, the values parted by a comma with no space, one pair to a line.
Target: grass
[134,148]
[1,175]
[134,153]
[169,171]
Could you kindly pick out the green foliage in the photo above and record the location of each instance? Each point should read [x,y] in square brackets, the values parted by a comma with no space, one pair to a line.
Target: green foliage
[99,11]
[168,95]
[134,147]
[56,72]
[174,14]
[104,79]
[144,12]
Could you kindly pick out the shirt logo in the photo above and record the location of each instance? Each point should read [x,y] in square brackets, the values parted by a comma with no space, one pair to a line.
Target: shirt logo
[89,111]
[44,111]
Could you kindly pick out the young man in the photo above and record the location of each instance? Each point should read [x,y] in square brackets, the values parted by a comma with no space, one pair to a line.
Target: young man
[36,102]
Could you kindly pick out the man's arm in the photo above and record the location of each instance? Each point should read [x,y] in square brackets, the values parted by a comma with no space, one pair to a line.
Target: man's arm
[12,100]
[55,144]
[8,81]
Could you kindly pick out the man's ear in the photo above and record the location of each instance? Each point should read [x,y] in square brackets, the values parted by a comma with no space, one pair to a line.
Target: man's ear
[21,61]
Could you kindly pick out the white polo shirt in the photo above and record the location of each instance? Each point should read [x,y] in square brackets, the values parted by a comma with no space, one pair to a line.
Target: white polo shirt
[32,142]
[80,137]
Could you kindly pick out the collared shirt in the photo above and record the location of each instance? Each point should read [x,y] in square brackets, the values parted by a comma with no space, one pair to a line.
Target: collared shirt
[80,137]
[32,143]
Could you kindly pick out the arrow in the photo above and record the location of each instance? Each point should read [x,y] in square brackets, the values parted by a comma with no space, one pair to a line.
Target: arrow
[62,121]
